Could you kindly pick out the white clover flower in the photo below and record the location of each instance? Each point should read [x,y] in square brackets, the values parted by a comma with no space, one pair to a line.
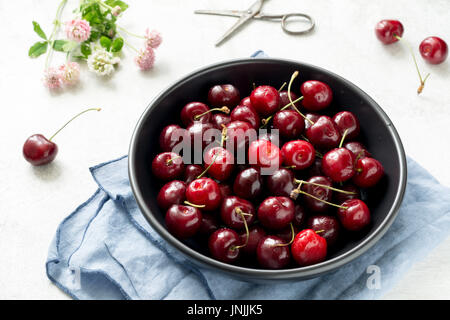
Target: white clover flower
[102,62]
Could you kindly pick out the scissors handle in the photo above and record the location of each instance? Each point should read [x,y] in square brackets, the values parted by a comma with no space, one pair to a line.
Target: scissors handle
[289,17]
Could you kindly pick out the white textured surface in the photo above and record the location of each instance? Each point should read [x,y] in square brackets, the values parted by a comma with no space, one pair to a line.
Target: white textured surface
[35,200]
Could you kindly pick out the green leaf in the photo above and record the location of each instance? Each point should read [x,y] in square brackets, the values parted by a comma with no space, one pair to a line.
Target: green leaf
[58,45]
[37,49]
[105,42]
[112,3]
[38,30]
[85,49]
[117,45]
[69,46]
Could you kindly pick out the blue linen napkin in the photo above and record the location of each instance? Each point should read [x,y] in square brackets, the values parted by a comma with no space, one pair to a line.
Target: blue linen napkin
[106,249]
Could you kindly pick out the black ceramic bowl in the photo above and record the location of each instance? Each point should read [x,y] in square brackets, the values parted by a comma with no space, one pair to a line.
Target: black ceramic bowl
[378,134]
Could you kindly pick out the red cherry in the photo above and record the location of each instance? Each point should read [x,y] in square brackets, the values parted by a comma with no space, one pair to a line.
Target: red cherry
[328,227]
[265,100]
[225,190]
[358,149]
[316,168]
[387,30]
[289,123]
[191,112]
[345,120]
[246,102]
[219,119]
[238,134]
[340,197]
[167,166]
[173,192]
[317,95]
[311,119]
[276,212]
[232,210]
[281,182]
[224,95]
[324,133]
[191,172]
[255,234]
[219,162]
[223,245]
[246,113]
[298,154]
[38,150]
[354,215]
[265,154]
[272,253]
[183,221]
[299,216]
[209,224]
[204,192]
[368,172]
[284,99]
[434,50]
[309,248]
[322,193]
[198,137]
[338,164]
[170,136]
[248,184]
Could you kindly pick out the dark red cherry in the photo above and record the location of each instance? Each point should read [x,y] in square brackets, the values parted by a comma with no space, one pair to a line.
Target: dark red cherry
[245,113]
[238,134]
[219,162]
[209,224]
[281,182]
[183,221]
[387,30]
[324,133]
[225,190]
[204,192]
[223,245]
[284,99]
[316,168]
[38,150]
[317,95]
[340,197]
[298,154]
[170,136]
[300,215]
[265,100]
[263,153]
[347,121]
[167,166]
[328,227]
[337,164]
[256,233]
[248,184]
[173,192]
[289,123]
[286,233]
[219,119]
[224,95]
[276,212]
[319,192]
[232,210]
[199,137]
[309,248]
[311,116]
[368,172]
[358,149]
[191,112]
[191,172]
[246,102]
[272,253]
[355,215]
[434,50]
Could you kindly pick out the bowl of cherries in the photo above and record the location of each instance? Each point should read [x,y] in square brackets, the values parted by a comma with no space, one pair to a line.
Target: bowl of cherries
[267,169]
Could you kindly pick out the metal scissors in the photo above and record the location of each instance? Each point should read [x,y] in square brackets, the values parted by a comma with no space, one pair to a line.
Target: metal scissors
[254,12]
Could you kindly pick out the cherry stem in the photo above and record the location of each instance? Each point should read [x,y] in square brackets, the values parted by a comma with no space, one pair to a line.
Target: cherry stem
[76,116]
[298,190]
[343,138]
[224,109]
[294,75]
[194,205]
[222,141]
[422,80]
[319,231]
[266,120]
[323,185]
[243,214]
[169,161]
[292,238]
[282,86]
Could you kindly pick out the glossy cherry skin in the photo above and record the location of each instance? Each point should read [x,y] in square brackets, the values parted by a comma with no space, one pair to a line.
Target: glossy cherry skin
[324,133]
[222,245]
[289,123]
[183,221]
[434,50]
[368,172]
[316,168]
[265,100]
[276,212]
[308,248]
[319,192]
[284,99]
[191,172]
[38,150]
[219,119]
[209,224]
[204,191]
[328,227]
[271,255]
[300,215]
[338,164]
[248,184]
[198,137]
[313,117]
[281,182]
[229,212]
[220,162]
[256,233]
[298,154]
[263,153]
[347,121]
[170,136]
[340,197]
[246,113]
[386,30]
[191,110]
[173,192]
[238,134]
[358,149]
[317,95]
[356,216]
[286,233]
[224,95]
[246,102]
[167,166]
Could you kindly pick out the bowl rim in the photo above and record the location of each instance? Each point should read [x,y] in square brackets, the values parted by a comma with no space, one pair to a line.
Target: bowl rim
[264,274]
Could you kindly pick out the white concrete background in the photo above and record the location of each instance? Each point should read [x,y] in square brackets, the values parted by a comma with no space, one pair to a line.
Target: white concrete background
[35,200]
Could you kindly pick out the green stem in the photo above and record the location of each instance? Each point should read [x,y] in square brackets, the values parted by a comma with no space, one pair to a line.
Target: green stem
[266,120]
[127,43]
[222,141]
[73,118]
[343,138]
[294,75]
[282,86]
[194,205]
[239,211]
[292,238]
[55,27]
[224,109]
[323,186]
[318,199]
[130,33]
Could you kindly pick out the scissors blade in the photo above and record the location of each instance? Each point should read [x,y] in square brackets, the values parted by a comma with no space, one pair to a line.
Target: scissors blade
[228,13]
[249,14]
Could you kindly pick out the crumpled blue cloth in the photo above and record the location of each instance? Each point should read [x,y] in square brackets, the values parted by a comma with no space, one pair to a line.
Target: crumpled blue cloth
[106,249]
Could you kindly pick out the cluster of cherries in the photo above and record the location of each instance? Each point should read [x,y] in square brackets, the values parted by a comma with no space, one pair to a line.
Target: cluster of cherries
[277,219]
[433,49]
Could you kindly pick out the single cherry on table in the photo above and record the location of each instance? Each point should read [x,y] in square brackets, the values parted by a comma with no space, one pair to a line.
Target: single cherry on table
[434,50]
